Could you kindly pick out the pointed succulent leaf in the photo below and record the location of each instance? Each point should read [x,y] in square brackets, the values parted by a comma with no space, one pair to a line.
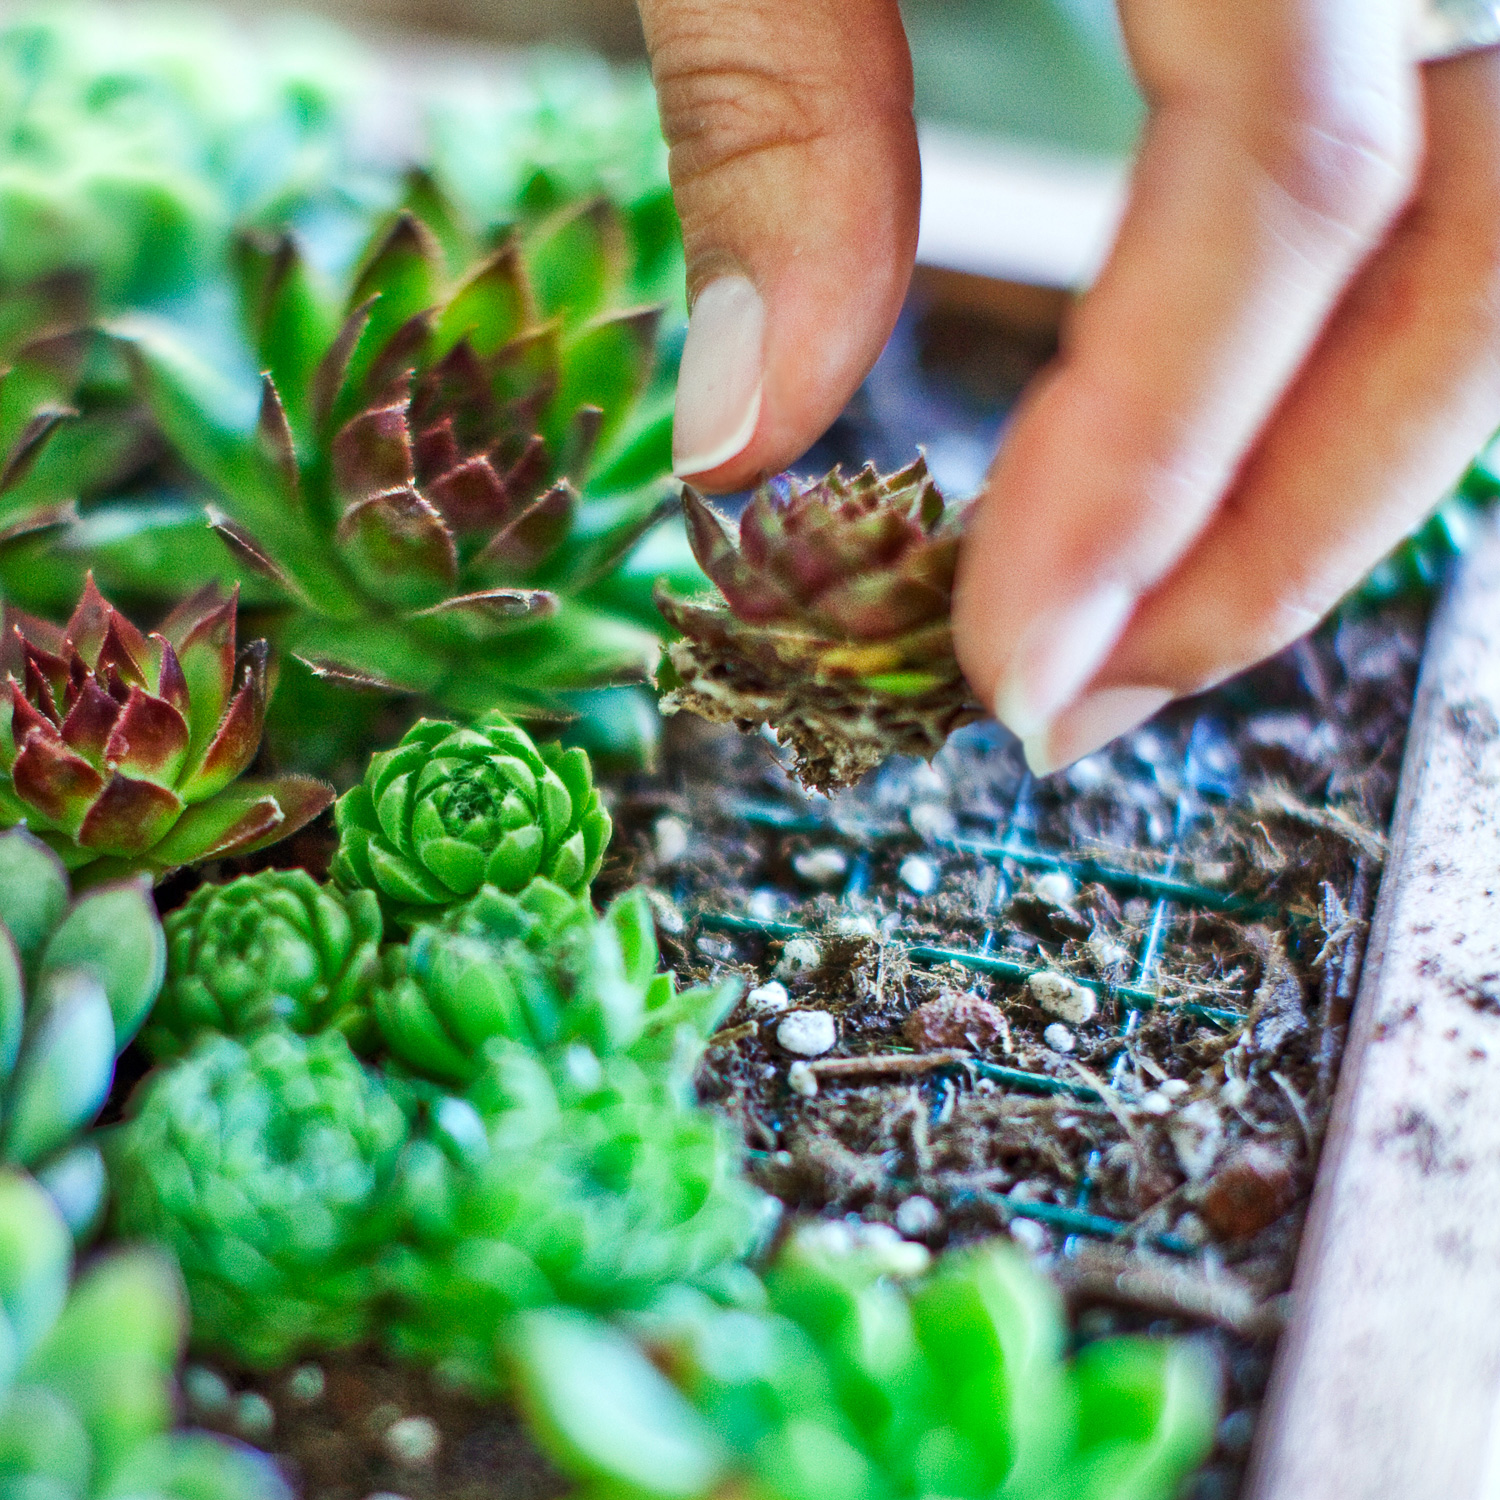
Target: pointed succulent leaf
[277,442]
[66,1065]
[113,935]
[128,817]
[489,608]
[291,322]
[148,740]
[605,365]
[333,369]
[490,308]
[237,736]
[204,640]
[34,436]
[576,261]
[400,548]
[535,534]
[605,1409]
[405,275]
[60,785]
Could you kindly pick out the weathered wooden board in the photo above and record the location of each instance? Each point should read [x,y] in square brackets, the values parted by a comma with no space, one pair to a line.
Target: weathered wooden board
[1387,1384]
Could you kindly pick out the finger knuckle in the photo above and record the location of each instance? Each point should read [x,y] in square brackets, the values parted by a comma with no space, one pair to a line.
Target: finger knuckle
[724,99]
[1347,163]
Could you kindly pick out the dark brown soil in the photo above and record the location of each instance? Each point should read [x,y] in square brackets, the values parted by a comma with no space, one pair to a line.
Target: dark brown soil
[1164,1180]
[346,1428]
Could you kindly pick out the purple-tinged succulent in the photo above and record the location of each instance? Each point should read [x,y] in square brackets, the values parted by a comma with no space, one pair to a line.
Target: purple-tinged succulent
[124,752]
[832,622]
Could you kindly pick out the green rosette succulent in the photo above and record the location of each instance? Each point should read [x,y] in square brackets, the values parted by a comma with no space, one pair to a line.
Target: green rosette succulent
[576,1180]
[542,971]
[451,809]
[123,752]
[86,1396]
[449,469]
[868,1374]
[266,1168]
[577,1166]
[273,948]
[77,978]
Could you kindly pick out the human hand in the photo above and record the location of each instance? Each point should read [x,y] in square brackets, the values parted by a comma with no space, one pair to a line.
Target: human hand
[1292,351]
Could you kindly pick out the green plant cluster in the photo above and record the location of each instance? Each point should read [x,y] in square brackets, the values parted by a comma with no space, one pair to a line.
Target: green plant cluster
[867,1374]
[521,1130]
[86,1373]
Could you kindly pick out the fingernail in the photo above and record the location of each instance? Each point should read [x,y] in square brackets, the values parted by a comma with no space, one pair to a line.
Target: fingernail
[719,383]
[1092,722]
[1058,653]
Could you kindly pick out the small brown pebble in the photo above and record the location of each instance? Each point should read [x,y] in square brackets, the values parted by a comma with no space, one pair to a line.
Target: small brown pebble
[1253,1188]
[956,1021]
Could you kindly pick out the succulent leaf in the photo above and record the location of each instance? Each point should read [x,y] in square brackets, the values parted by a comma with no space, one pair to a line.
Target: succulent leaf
[86,1394]
[76,981]
[122,751]
[870,1372]
[831,621]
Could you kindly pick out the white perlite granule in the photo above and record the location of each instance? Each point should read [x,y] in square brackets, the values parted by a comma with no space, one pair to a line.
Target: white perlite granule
[809,1033]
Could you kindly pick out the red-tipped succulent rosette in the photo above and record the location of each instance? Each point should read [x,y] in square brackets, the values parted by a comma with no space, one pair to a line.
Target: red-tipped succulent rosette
[125,751]
[832,620]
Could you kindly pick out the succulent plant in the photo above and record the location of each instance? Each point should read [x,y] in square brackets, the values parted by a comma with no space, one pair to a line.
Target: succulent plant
[77,978]
[86,1384]
[451,809]
[540,970]
[831,622]
[869,1376]
[266,1168]
[123,752]
[419,496]
[270,949]
[577,1180]
[132,144]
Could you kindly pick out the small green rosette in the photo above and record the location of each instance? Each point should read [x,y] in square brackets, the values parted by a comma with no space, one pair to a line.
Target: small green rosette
[542,971]
[266,1168]
[451,809]
[273,948]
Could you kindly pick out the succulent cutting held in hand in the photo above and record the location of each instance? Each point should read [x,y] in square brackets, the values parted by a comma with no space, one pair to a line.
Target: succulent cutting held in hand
[451,809]
[831,623]
[124,752]
[77,978]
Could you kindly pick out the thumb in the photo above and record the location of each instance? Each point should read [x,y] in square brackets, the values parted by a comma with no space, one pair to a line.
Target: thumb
[794,165]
